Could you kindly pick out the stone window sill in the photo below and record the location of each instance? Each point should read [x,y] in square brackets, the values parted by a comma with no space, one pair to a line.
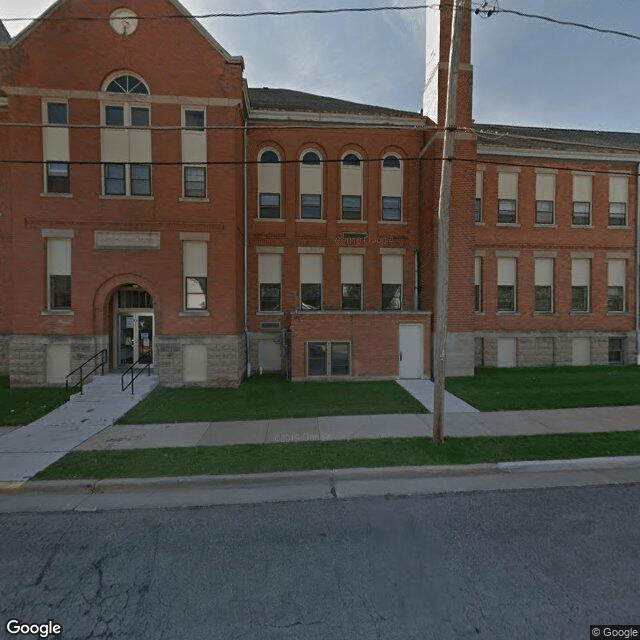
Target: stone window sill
[57,312]
[193,313]
[134,198]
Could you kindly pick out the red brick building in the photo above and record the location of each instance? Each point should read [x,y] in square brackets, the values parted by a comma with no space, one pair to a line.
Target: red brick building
[164,211]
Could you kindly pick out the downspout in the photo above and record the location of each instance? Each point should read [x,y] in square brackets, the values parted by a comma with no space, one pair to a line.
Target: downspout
[637,264]
[246,250]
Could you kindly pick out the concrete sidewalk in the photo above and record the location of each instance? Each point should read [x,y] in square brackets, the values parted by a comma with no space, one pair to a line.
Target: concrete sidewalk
[82,425]
[456,425]
[25,451]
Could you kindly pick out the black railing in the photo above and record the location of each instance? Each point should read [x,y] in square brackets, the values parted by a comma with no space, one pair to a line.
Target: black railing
[101,356]
[144,363]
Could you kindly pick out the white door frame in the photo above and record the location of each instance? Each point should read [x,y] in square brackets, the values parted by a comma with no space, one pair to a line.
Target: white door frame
[413,354]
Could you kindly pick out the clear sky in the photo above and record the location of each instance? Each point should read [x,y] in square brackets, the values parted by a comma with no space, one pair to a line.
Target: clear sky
[526,71]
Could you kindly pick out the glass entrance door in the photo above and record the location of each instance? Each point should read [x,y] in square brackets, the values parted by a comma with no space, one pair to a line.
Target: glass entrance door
[135,338]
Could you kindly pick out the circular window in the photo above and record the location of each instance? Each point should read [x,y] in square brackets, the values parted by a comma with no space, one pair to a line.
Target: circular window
[123,21]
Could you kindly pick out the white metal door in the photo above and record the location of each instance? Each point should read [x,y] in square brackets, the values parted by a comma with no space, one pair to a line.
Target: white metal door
[410,351]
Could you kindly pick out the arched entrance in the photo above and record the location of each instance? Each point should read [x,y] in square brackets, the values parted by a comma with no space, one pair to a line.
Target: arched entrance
[133,326]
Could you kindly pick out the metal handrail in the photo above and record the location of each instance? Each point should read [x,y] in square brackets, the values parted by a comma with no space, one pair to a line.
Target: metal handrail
[83,376]
[145,365]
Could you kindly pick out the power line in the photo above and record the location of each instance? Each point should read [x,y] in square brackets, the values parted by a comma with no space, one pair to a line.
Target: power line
[248,14]
[294,12]
[569,23]
[497,135]
[503,162]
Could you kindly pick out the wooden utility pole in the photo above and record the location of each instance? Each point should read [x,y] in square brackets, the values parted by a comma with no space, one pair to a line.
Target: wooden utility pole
[442,289]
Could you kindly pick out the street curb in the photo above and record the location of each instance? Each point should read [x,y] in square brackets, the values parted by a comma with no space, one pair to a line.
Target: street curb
[329,476]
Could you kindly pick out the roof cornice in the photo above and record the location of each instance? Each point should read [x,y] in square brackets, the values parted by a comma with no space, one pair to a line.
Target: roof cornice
[488,150]
[328,118]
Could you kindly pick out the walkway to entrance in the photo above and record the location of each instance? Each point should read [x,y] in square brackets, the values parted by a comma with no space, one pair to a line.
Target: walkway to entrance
[27,450]
[422,391]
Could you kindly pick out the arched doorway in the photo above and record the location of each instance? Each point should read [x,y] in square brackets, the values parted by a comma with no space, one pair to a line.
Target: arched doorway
[133,326]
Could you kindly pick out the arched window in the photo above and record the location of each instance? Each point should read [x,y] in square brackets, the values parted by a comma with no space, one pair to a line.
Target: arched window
[269,184]
[391,162]
[391,187]
[311,186]
[128,85]
[351,187]
[127,126]
[351,160]
[269,156]
[310,157]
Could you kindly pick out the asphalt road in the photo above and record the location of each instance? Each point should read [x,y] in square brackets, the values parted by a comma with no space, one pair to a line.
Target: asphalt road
[499,565]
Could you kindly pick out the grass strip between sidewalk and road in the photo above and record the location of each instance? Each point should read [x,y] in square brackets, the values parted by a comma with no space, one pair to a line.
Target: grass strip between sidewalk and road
[338,454]
[548,387]
[271,397]
[22,406]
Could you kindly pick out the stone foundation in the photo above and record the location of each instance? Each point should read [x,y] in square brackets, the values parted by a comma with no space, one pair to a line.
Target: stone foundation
[552,349]
[4,355]
[30,357]
[208,361]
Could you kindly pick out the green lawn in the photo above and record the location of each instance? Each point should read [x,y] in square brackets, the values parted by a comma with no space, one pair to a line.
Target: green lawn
[548,387]
[271,396]
[260,458]
[21,406]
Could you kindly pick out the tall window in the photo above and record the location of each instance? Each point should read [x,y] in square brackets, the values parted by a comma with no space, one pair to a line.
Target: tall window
[126,140]
[391,188]
[618,197]
[59,273]
[56,147]
[311,282]
[269,184]
[580,284]
[582,185]
[270,281]
[507,269]
[477,212]
[351,185]
[477,282]
[392,279]
[616,276]
[351,282]
[507,198]
[543,285]
[311,186]
[545,197]
[194,256]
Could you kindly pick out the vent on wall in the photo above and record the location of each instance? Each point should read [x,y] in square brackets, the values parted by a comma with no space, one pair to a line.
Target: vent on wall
[270,325]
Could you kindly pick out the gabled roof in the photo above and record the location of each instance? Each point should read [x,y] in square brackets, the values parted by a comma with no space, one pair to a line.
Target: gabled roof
[179,7]
[298,101]
[4,34]
[572,141]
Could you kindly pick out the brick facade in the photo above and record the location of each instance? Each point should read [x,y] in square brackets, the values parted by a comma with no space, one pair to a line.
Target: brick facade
[159,241]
